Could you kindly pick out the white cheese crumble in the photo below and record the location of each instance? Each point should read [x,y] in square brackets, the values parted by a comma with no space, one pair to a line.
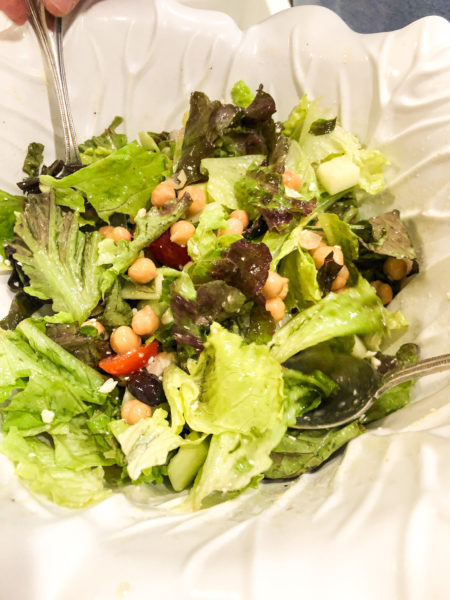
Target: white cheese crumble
[108,386]
[47,415]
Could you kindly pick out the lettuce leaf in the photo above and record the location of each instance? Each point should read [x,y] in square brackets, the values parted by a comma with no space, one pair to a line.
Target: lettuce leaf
[301,271]
[33,159]
[9,206]
[223,173]
[233,462]
[37,467]
[232,387]
[241,94]
[301,451]
[120,183]
[59,259]
[356,311]
[147,443]
[205,242]
[100,146]
[52,424]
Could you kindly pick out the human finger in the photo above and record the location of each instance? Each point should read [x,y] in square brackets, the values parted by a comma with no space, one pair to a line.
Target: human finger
[16,10]
[60,8]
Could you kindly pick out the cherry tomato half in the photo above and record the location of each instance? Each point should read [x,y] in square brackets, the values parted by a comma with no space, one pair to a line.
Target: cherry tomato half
[124,364]
[168,253]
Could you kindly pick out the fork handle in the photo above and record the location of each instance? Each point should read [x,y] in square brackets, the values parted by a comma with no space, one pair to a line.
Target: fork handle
[52,50]
[428,366]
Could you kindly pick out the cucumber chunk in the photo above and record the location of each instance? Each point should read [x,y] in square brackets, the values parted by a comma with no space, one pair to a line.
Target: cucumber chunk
[185,464]
[338,174]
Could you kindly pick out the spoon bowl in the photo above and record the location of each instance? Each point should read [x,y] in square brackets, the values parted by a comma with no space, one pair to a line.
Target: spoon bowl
[360,385]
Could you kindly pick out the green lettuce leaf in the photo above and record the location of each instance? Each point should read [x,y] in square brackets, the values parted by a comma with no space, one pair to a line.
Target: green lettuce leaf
[233,462]
[101,146]
[33,159]
[9,206]
[301,451]
[120,183]
[297,162]
[36,466]
[224,173]
[205,242]
[147,443]
[301,271]
[117,311]
[356,311]
[241,94]
[232,387]
[340,234]
[59,259]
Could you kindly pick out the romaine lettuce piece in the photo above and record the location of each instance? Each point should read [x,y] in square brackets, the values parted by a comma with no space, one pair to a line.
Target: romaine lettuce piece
[241,94]
[205,241]
[120,183]
[33,159]
[147,443]
[224,173]
[301,271]
[340,234]
[9,206]
[297,162]
[59,259]
[233,462]
[37,467]
[301,451]
[357,311]
[232,387]
[101,146]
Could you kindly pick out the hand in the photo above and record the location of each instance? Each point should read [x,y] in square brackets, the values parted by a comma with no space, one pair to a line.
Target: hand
[17,11]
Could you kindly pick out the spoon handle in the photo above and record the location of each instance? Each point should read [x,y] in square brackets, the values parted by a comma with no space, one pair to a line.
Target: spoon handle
[51,47]
[428,366]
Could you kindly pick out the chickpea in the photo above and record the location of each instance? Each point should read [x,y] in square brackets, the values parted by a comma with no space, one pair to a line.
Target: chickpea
[384,291]
[342,290]
[98,326]
[124,339]
[143,270]
[181,232]
[309,240]
[292,180]
[234,226]
[134,410]
[145,321]
[162,193]
[319,255]
[341,279]
[106,231]
[120,233]
[198,199]
[242,216]
[274,285]
[284,290]
[276,307]
[396,268]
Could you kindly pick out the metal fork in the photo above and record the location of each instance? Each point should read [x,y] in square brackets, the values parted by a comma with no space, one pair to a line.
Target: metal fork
[51,46]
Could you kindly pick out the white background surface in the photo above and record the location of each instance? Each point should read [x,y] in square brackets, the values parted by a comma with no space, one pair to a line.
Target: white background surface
[375,521]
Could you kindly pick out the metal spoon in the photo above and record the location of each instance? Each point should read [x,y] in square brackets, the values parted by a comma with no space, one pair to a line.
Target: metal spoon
[51,46]
[360,387]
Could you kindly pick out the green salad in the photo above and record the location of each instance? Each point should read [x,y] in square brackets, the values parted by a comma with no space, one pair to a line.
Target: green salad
[164,290]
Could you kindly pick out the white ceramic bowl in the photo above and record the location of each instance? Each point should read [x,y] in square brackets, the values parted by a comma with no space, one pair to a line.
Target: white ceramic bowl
[375,521]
